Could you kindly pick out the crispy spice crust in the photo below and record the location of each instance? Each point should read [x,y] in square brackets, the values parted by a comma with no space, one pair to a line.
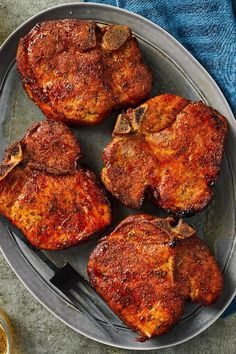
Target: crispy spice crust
[146,269]
[55,202]
[78,72]
[168,149]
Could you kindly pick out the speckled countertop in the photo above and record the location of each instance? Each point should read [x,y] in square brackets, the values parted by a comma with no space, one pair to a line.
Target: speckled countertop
[36,330]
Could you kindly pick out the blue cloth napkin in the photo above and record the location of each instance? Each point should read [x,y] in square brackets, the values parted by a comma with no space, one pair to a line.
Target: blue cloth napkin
[207,28]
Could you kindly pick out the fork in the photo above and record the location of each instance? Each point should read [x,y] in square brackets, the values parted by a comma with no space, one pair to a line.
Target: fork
[75,287]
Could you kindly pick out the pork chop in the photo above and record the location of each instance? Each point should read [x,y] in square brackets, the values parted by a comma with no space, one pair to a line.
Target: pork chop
[78,72]
[146,269]
[169,149]
[54,201]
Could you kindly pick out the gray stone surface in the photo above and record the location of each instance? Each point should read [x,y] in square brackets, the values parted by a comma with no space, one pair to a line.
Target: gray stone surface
[36,330]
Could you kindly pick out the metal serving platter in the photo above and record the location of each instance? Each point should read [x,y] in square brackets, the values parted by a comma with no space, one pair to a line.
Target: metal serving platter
[175,71]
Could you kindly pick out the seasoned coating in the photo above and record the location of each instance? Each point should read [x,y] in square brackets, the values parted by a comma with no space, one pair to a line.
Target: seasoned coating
[78,72]
[168,149]
[46,194]
[146,269]
[44,144]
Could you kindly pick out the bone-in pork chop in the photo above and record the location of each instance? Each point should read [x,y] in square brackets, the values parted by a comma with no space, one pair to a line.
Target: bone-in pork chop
[54,201]
[168,149]
[78,72]
[146,269]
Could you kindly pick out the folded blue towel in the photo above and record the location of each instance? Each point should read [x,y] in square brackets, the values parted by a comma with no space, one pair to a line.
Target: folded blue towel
[207,29]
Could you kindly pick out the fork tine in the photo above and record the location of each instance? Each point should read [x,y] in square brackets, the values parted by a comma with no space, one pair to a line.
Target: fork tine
[91,292]
[94,305]
[93,296]
[66,278]
[83,305]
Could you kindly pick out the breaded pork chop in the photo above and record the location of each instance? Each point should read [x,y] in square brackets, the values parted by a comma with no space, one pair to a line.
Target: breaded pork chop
[55,202]
[146,269]
[169,149]
[78,72]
